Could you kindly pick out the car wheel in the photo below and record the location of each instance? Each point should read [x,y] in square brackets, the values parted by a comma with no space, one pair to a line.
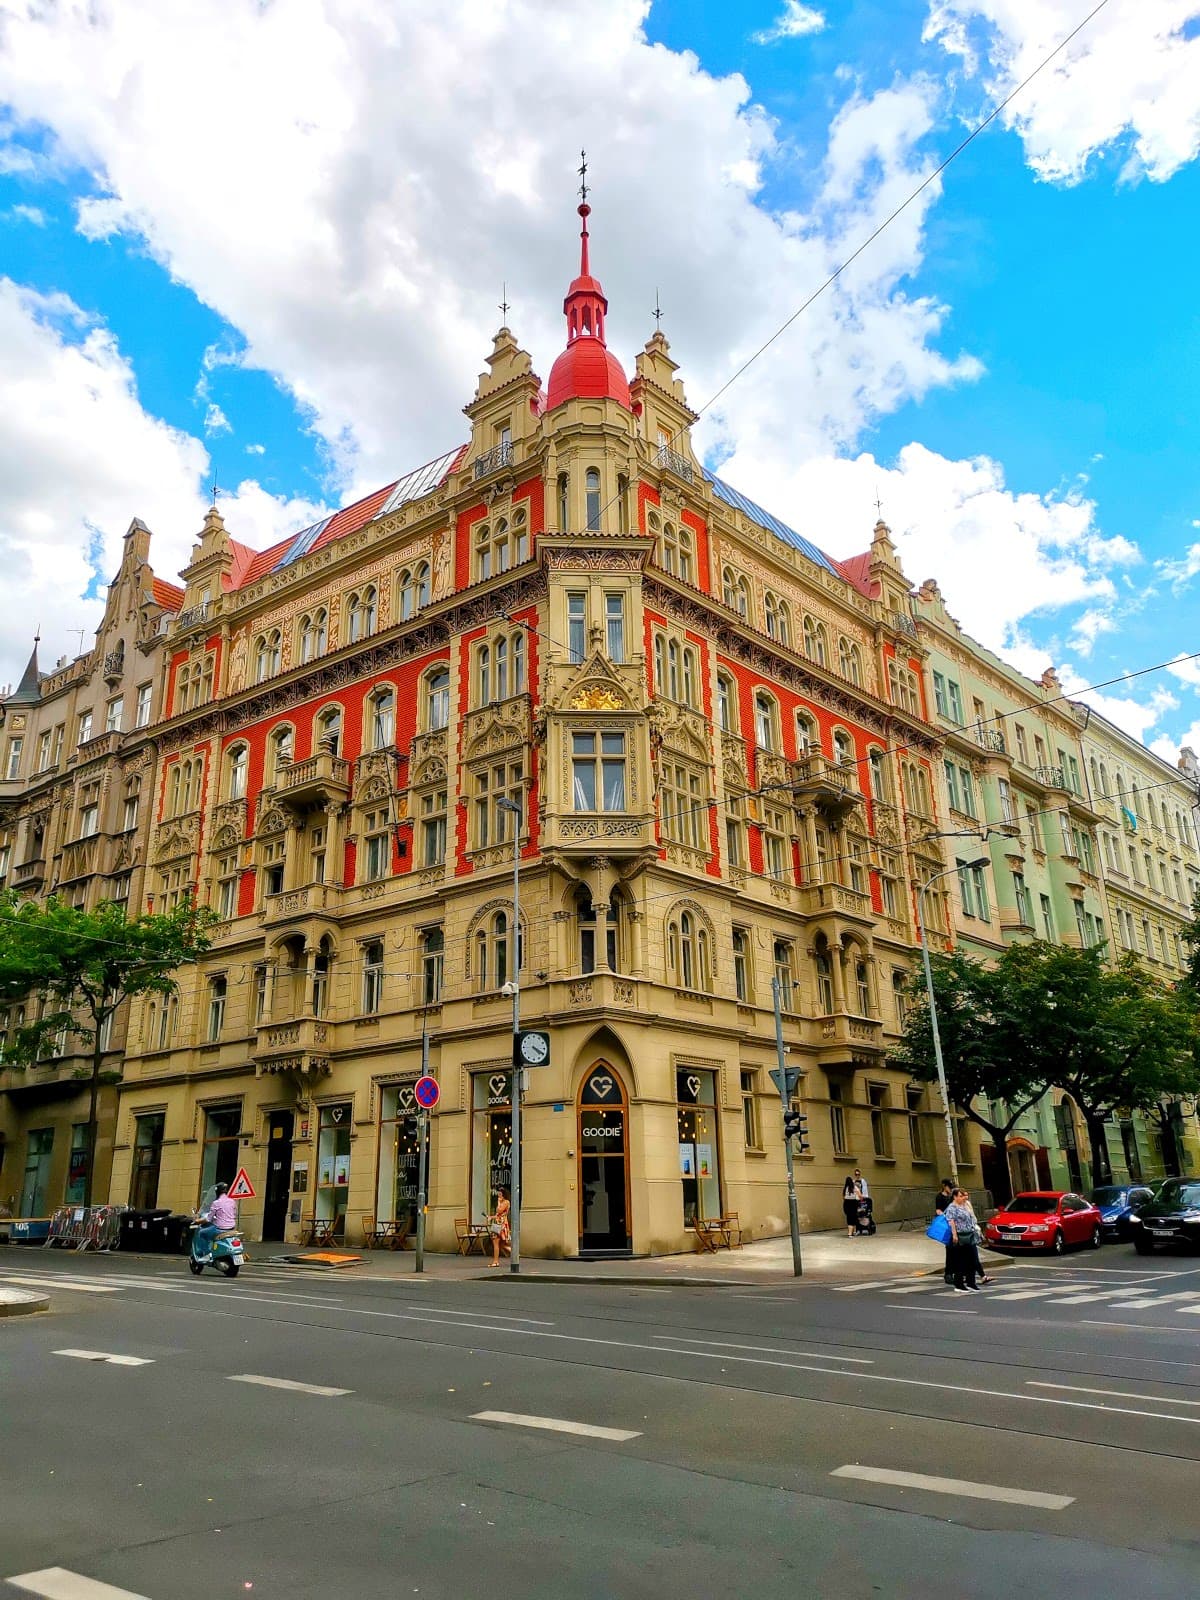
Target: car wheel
[1143,1246]
[1097,1238]
[1058,1245]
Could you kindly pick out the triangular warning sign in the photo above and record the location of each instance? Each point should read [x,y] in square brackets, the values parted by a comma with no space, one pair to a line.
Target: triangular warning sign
[241,1188]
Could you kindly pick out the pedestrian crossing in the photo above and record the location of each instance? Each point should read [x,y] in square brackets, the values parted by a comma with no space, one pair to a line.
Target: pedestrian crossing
[169,1281]
[1009,1288]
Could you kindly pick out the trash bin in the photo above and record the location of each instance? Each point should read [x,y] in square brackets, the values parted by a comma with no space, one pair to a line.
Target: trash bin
[144,1230]
[179,1234]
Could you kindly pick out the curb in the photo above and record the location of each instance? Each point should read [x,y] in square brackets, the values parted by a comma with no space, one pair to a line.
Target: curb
[20,1303]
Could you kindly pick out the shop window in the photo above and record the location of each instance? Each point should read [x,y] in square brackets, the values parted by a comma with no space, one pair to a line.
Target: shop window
[491,1141]
[333,1165]
[77,1165]
[219,1156]
[147,1161]
[397,1185]
[696,1115]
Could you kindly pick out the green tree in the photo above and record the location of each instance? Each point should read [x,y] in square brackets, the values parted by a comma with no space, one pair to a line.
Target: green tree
[983,1050]
[83,966]
[1190,982]
[1113,1037]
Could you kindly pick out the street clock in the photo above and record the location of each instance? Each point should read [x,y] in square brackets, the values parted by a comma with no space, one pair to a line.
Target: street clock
[533,1048]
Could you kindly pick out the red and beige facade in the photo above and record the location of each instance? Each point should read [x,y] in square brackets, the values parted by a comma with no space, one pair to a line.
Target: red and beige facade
[722,761]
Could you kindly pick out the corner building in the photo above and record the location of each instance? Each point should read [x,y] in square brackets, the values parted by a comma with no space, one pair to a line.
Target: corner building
[715,744]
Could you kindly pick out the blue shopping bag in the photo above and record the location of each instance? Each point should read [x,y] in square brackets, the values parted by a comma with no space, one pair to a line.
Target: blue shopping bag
[939,1229]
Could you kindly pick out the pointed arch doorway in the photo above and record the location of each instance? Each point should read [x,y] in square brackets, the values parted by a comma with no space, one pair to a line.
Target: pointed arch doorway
[603,1114]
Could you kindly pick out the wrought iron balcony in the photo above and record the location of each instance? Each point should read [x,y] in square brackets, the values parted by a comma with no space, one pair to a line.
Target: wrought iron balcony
[674,462]
[1051,777]
[500,455]
[191,615]
[902,623]
[990,739]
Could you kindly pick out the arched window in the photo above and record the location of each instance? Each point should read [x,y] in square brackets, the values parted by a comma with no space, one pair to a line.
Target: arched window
[314,634]
[437,699]
[1104,780]
[483,674]
[239,766]
[622,503]
[843,748]
[433,955]
[327,730]
[518,661]
[322,963]
[814,641]
[726,703]
[360,613]
[771,609]
[564,502]
[267,654]
[849,660]
[688,952]
[862,986]
[785,624]
[381,710]
[807,737]
[408,593]
[282,744]
[729,590]
[766,722]
[877,772]
[591,490]
[492,952]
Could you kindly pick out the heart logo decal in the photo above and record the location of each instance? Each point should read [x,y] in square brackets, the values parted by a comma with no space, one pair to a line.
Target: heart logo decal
[602,1087]
[404,1098]
[497,1085]
[693,1083]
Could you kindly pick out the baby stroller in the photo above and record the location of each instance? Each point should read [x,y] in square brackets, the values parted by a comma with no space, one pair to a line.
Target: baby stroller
[865,1221]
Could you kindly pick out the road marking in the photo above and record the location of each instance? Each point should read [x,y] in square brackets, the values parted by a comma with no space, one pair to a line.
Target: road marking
[56,1583]
[113,1360]
[285,1383]
[939,1311]
[957,1486]
[1117,1394]
[763,1349]
[556,1425]
[1021,1294]
[857,1288]
[911,1288]
[1138,1327]
[54,1281]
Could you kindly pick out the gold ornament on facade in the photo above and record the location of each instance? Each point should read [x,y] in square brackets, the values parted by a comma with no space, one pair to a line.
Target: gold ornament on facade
[597,699]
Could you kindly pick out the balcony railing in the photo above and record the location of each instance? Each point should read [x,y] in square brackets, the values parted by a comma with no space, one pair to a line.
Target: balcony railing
[990,739]
[674,462]
[903,623]
[1052,777]
[191,615]
[321,775]
[500,455]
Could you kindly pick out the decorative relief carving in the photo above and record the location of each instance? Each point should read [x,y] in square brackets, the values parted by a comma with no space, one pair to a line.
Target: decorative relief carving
[597,699]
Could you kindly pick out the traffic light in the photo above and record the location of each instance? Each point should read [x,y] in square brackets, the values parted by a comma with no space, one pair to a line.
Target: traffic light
[795,1126]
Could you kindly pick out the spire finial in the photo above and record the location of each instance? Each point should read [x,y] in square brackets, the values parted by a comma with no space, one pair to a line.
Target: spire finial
[583,188]
[504,303]
[657,312]
[878,504]
[214,492]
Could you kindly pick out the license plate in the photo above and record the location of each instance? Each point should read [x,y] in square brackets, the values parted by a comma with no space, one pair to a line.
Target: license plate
[1009,1233]
[1163,1233]
[238,1258]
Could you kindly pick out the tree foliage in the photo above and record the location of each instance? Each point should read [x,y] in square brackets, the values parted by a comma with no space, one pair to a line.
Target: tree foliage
[1045,1015]
[80,967]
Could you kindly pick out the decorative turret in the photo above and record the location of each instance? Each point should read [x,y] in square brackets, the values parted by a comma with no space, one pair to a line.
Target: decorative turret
[587,369]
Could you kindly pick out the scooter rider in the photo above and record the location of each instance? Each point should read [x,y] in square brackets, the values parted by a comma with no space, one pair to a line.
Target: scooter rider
[220,1216]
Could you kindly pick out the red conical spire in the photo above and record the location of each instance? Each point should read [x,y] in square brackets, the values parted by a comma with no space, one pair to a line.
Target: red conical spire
[586,368]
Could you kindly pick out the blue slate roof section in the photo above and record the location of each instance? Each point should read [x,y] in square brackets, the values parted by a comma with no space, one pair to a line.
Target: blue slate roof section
[304,542]
[419,482]
[739,501]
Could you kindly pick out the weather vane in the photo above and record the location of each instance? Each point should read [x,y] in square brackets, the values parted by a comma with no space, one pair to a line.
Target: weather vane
[657,310]
[504,302]
[214,492]
[583,188]
[878,504]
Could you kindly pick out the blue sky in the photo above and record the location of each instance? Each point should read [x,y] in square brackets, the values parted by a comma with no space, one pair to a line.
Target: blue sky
[273,259]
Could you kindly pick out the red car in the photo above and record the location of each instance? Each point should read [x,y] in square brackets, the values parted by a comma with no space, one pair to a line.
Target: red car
[1046,1219]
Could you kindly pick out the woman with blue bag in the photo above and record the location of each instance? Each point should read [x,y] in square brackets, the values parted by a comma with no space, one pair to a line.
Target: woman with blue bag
[964,1232]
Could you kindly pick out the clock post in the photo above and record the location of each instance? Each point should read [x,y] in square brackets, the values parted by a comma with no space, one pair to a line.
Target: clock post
[513,987]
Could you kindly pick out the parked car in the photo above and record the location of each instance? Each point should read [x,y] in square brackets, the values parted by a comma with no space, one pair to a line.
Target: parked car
[1172,1217]
[1045,1219]
[1117,1203]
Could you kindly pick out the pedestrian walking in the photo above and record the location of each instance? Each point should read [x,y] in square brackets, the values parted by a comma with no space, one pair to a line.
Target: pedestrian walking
[980,1274]
[498,1227]
[962,1247]
[850,1199]
[941,1200]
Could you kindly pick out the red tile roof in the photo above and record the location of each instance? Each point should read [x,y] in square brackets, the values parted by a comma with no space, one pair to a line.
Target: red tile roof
[857,570]
[167,595]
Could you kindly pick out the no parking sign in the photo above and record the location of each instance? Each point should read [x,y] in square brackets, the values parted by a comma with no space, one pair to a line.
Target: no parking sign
[426,1093]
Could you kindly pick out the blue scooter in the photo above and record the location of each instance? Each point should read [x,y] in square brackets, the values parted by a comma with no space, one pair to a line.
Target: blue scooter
[228,1251]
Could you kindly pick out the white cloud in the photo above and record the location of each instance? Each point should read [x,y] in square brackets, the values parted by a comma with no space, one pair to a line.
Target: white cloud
[397,203]
[1087,629]
[1169,748]
[256,449]
[79,459]
[793,22]
[1129,82]
[1181,572]
[34,215]
[215,420]
[1134,717]
[1186,668]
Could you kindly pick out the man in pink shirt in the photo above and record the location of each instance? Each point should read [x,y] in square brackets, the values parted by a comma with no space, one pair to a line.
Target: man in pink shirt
[221,1214]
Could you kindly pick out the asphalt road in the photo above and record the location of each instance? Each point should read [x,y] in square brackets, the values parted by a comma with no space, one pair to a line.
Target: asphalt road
[888,1439]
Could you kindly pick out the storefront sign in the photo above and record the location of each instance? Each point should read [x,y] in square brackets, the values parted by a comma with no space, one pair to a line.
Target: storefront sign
[602,1130]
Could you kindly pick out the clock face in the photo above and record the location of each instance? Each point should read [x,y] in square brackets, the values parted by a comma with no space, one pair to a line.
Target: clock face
[534,1048]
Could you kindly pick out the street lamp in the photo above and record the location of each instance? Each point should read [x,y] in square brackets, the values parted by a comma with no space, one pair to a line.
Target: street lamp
[965,866]
[513,988]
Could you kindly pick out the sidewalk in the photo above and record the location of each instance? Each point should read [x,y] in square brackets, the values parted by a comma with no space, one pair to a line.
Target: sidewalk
[826,1257]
